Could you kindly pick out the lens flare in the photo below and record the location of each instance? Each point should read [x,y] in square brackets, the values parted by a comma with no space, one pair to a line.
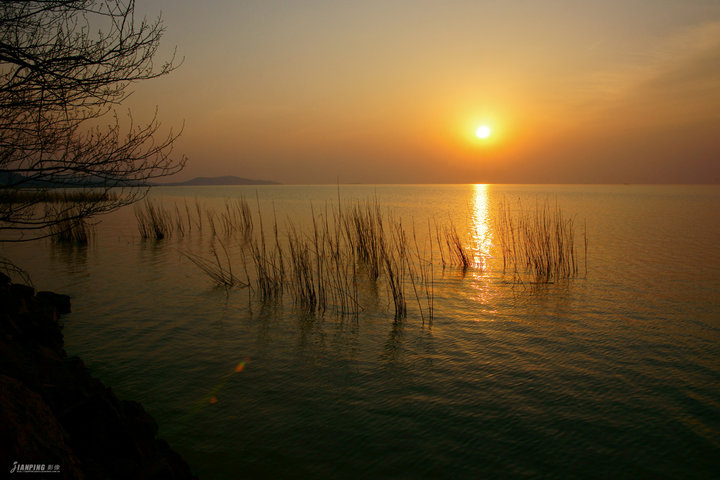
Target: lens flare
[211,397]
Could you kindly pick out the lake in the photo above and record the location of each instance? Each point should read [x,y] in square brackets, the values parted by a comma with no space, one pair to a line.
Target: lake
[611,373]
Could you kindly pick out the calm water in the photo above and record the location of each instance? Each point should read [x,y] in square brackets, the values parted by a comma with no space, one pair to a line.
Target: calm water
[611,375]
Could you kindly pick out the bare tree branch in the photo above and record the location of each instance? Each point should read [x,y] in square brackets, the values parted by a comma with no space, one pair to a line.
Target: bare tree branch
[64,66]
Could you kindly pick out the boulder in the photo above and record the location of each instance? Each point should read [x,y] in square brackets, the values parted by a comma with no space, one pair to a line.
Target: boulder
[60,302]
[53,412]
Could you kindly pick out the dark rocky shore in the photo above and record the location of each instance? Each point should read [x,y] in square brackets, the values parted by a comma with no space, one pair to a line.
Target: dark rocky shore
[55,415]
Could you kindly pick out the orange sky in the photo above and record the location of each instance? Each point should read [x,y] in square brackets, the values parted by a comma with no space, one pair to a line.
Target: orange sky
[392,91]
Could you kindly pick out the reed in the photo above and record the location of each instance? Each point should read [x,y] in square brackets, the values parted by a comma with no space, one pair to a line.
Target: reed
[71,228]
[431,271]
[268,263]
[585,244]
[539,241]
[364,231]
[321,265]
[235,217]
[302,275]
[210,214]
[424,274]
[179,221]
[153,220]
[243,216]
[55,195]
[217,269]
[156,221]
[458,253]
[395,259]
[188,216]
[198,215]
[318,244]
[440,244]
[341,267]
[415,275]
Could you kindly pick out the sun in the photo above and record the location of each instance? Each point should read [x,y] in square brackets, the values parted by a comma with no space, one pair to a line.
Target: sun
[483,131]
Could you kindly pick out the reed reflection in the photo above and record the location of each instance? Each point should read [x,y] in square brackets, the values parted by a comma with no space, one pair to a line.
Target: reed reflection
[73,255]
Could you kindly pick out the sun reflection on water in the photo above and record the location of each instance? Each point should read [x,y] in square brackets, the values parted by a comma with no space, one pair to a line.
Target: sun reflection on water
[481,232]
[481,237]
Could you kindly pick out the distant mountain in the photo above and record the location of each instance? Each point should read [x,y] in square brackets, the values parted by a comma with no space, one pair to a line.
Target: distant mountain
[227,180]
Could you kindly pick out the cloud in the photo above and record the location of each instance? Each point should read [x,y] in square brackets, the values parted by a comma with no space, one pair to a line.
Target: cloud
[679,83]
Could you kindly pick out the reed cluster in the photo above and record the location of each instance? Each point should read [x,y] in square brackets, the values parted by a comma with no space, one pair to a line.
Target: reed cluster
[451,248]
[395,262]
[55,195]
[381,248]
[539,241]
[321,266]
[322,263]
[156,221]
[268,262]
[315,266]
[364,230]
[71,227]
[459,255]
[220,271]
[358,244]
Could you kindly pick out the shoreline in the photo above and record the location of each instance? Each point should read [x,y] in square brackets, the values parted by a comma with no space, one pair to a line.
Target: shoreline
[54,416]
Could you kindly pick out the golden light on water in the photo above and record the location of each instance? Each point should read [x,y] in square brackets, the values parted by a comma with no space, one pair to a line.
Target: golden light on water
[481,237]
[481,232]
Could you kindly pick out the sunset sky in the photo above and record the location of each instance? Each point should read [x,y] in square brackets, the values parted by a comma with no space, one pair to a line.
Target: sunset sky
[393,91]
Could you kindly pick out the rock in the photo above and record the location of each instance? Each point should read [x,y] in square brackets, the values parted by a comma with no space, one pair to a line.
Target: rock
[23,415]
[60,302]
[20,290]
[52,411]
[14,297]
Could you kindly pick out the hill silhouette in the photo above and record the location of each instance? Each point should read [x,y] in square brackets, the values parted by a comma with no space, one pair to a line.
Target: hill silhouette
[225,180]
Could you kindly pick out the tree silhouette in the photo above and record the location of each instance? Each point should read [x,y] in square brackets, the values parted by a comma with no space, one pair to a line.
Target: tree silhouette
[65,66]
